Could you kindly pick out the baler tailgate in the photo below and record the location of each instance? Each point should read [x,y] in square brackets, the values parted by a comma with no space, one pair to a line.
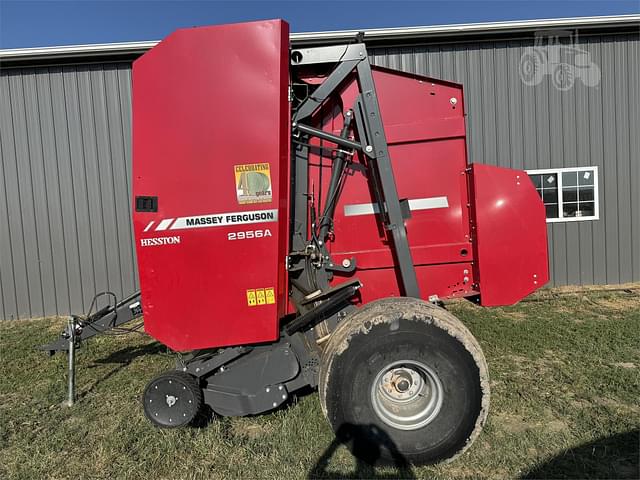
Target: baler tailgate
[511,235]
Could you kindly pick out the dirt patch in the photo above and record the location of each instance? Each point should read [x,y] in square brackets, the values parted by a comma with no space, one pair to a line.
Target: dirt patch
[511,423]
[590,288]
[250,430]
[619,303]
[617,406]
[518,424]
[518,360]
[625,365]
[513,315]
[556,426]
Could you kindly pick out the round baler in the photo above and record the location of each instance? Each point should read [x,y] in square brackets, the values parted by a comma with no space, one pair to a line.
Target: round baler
[300,216]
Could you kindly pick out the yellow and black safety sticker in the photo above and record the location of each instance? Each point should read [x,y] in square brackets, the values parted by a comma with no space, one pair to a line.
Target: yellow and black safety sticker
[253,183]
[251,298]
[261,296]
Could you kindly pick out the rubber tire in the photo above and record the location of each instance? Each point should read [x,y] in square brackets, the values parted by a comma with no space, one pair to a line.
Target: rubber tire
[194,388]
[397,329]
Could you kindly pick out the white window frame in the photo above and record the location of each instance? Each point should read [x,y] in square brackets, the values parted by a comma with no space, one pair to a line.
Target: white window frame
[558,172]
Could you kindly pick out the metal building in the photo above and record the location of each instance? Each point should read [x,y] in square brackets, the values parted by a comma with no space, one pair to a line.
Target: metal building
[559,98]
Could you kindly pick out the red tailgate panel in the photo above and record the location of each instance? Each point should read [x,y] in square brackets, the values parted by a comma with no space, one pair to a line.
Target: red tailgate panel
[210,141]
[511,235]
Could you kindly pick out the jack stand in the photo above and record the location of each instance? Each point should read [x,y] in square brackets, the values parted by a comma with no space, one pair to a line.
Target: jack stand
[71,373]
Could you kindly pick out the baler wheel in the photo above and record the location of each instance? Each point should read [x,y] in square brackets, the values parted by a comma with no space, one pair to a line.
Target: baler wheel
[403,380]
[172,399]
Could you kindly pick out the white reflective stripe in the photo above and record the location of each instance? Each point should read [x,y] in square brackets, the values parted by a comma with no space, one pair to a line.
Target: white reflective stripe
[361,209]
[164,224]
[223,219]
[427,203]
[146,229]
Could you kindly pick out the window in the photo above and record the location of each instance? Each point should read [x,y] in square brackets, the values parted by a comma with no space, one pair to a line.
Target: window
[568,194]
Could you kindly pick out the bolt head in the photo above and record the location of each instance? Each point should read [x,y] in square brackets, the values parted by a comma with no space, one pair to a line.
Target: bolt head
[368,149]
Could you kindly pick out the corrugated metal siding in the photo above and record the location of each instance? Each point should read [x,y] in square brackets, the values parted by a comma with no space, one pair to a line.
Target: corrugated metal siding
[532,127]
[65,226]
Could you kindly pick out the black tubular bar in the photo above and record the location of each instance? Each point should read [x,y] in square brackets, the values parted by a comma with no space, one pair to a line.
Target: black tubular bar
[375,128]
[329,306]
[361,126]
[318,97]
[338,140]
[337,171]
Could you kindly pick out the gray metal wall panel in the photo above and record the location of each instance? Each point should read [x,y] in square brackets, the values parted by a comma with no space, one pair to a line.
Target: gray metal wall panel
[65,159]
[65,226]
[633,57]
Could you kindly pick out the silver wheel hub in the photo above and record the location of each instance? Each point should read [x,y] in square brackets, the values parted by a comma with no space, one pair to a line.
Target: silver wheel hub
[171,400]
[407,395]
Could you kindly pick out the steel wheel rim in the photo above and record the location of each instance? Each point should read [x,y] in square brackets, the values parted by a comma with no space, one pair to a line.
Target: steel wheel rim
[407,395]
[170,402]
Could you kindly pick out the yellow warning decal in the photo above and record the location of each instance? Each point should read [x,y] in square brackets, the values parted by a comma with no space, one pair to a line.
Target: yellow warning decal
[251,298]
[271,296]
[253,183]
[261,296]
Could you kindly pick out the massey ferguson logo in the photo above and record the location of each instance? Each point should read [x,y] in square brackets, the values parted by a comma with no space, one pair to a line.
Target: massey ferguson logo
[149,242]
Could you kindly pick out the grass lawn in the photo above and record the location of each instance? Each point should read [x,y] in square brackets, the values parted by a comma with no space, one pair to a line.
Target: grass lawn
[565,380]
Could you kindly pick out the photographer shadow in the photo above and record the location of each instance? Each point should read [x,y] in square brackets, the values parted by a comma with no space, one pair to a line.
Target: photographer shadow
[367,443]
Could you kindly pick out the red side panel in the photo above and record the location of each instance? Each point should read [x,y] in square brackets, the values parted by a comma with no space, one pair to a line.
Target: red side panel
[424,126]
[210,141]
[511,235]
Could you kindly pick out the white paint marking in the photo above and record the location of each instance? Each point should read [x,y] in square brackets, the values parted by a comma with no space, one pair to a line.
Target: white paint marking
[164,224]
[427,203]
[146,229]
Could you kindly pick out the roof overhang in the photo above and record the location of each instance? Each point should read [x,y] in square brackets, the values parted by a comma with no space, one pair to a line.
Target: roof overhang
[97,52]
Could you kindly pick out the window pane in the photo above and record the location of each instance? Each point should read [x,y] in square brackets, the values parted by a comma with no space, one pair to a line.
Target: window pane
[537,180]
[586,177]
[550,180]
[551,211]
[550,195]
[569,209]
[586,194]
[586,209]
[569,179]
[569,194]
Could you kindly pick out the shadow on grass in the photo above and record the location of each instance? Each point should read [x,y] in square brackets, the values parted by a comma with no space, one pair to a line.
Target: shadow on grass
[127,355]
[367,443]
[123,359]
[611,457]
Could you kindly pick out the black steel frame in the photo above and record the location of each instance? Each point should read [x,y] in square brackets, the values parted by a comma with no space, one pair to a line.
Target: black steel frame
[350,60]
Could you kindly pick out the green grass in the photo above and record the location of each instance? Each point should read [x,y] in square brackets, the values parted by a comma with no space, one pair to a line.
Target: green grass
[565,379]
